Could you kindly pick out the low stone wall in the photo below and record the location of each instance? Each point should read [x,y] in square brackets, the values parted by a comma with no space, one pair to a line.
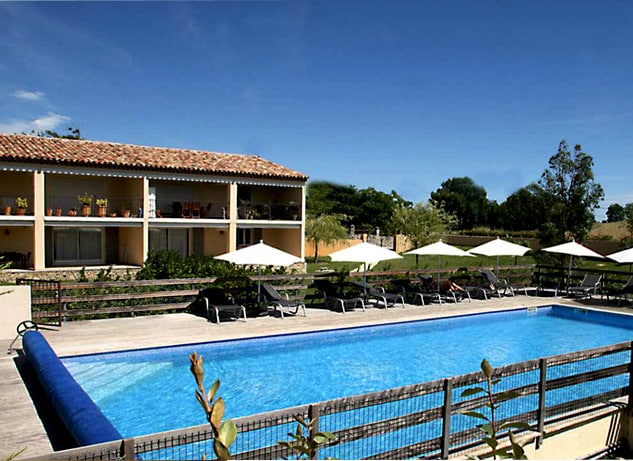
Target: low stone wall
[71,275]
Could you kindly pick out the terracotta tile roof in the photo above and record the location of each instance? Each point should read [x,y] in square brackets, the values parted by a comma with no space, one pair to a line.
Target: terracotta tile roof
[69,152]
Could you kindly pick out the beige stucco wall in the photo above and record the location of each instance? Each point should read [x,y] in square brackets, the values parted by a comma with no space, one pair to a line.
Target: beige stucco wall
[288,240]
[325,250]
[15,306]
[215,241]
[130,247]
[16,238]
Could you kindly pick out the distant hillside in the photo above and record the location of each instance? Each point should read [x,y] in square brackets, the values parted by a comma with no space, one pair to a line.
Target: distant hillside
[610,231]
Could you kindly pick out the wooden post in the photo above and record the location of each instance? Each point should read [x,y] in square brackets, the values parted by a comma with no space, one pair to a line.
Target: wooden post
[542,389]
[446,418]
[127,449]
[313,418]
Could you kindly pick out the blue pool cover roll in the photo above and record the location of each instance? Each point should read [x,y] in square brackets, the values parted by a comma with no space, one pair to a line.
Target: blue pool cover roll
[83,419]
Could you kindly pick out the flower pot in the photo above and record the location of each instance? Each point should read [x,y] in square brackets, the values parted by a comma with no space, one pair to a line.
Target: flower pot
[113,214]
[125,213]
[49,212]
[86,210]
[102,211]
[20,211]
[72,212]
[58,212]
[7,210]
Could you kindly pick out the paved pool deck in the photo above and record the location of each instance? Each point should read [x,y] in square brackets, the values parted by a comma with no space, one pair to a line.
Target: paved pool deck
[26,425]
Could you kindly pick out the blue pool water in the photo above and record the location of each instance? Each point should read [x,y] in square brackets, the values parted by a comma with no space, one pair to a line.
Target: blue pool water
[147,391]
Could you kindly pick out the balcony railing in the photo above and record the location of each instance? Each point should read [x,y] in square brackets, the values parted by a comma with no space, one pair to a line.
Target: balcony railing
[269,211]
[9,204]
[69,205]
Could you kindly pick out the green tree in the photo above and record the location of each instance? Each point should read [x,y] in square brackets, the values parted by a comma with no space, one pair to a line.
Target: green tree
[327,198]
[615,213]
[374,209]
[571,194]
[324,229]
[628,216]
[423,223]
[524,209]
[73,133]
[464,199]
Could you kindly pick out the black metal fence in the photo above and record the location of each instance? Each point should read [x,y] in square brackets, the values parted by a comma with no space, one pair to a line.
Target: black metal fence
[423,420]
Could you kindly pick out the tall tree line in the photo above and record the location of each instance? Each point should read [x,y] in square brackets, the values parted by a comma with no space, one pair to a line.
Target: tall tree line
[560,205]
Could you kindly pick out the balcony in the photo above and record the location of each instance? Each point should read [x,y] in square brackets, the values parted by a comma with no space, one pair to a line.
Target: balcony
[269,211]
[92,206]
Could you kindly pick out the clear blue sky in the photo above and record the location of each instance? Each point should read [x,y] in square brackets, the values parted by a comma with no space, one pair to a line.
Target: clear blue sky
[395,95]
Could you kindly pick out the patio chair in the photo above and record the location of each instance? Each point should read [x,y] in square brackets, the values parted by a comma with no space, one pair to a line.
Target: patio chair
[623,292]
[334,296]
[196,210]
[498,283]
[186,210]
[217,302]
[484,288]
[587,288]
[275,299]
[379,294]
[415,293]
[445,292]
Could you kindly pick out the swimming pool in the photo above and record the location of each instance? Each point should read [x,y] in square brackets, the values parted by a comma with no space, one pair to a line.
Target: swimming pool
[147,391]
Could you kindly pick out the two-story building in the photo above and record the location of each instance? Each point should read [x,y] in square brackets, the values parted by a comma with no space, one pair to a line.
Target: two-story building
[76,203]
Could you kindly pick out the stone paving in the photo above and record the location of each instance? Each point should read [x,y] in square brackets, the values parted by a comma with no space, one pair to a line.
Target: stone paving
[24,426]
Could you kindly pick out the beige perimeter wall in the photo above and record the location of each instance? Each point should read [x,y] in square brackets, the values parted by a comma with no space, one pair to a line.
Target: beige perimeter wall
[15,306]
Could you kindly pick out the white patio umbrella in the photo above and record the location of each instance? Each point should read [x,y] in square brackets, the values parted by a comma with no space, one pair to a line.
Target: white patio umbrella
[260,255]
[572,249]
[499,247]
[440,249]
[623,257]
[366,253]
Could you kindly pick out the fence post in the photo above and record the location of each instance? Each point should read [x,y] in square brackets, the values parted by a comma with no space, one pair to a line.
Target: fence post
[127,449]
[542,390]
[446,418]
[313,417]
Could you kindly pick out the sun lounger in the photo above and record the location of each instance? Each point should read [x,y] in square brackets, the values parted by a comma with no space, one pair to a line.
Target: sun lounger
[497,283]
[334,296]
[623,292]
[414,293]
[275,299]
[216,303]
[587,288]
[379,294]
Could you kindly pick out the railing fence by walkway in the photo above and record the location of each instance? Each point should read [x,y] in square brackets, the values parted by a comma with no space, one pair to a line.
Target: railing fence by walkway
[423,420]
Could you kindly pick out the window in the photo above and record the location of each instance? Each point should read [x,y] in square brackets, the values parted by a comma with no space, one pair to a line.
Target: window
[72,246]
[246,237]
[169,239]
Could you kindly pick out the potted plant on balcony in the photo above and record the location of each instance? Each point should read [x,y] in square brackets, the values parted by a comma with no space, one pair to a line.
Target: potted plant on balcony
[293,210]
[86,204]
[244,210]
[126,211]
[7,209]
[21,204]
[102,207]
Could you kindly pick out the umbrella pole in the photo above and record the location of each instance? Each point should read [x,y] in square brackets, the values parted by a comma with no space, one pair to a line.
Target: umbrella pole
[259,281]
[571,258]
[439,270]
[365,280]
